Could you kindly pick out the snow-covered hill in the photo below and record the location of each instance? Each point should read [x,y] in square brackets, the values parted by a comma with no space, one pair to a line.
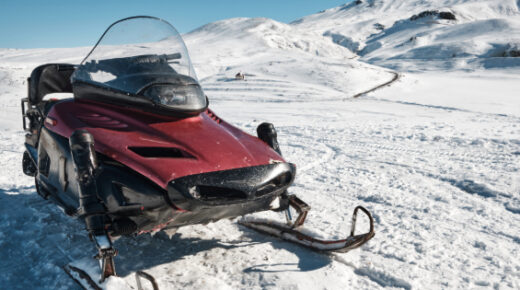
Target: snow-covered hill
[265,48]
[429,34]
[435,155]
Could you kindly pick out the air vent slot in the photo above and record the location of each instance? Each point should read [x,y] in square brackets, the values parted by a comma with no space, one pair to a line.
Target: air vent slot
[276,183]
[160,152]
[210,193]
[213,116]
[97,120]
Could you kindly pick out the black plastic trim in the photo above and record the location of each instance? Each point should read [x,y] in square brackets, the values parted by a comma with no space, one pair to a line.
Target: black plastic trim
[84,91]
[233,186]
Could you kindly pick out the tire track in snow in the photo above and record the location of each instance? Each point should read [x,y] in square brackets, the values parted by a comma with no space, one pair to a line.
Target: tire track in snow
[509,202]
[382,278]
[446,108]
[471,157]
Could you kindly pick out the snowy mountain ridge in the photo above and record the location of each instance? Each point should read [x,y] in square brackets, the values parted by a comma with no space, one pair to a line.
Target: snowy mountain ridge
[260,34]
[390,33]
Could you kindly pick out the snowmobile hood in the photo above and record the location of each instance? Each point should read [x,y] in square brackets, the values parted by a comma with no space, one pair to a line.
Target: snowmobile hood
[162,148]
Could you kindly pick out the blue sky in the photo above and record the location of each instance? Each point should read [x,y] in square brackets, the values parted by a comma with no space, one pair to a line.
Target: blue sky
[52,23]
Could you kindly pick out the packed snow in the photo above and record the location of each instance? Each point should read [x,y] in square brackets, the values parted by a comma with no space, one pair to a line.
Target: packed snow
[434,155]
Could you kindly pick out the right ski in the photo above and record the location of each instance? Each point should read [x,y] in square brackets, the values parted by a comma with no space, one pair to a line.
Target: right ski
[86,275]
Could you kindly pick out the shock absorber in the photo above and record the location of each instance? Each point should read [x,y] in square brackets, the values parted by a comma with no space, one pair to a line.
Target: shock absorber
[90,207]
[267,133]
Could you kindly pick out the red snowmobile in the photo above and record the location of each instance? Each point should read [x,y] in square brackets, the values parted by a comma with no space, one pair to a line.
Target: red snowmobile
[137,149]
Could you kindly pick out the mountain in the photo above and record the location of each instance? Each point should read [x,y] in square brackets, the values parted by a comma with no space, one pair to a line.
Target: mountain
[267,49]
[427,34]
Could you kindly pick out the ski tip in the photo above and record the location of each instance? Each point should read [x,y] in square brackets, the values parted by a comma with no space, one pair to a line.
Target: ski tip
[81,277]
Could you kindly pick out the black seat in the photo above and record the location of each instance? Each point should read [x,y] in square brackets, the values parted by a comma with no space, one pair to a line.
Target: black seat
[49,78]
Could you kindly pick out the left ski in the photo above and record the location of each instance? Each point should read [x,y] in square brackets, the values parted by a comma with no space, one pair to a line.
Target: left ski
[292,233]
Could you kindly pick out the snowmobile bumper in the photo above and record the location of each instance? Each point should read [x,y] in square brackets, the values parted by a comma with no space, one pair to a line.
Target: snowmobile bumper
[211,196]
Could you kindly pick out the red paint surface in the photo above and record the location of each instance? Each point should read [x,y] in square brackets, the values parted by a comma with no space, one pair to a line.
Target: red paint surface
[215,144]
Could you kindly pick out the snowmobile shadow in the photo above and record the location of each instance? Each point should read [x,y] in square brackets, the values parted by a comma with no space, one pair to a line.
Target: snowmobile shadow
[37,239]
[41,229]
[308,260]
[36,230]
[145,251]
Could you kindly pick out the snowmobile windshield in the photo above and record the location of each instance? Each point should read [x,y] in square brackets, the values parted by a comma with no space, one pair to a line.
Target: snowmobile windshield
[140,61]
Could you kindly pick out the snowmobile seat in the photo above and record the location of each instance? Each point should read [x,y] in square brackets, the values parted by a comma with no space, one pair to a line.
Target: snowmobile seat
[48,79]
[45,79]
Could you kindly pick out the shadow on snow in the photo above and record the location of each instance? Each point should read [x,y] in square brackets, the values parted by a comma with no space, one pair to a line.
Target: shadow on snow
[37,239]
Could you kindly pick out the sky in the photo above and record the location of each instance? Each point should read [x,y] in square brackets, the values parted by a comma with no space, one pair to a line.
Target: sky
[71,23]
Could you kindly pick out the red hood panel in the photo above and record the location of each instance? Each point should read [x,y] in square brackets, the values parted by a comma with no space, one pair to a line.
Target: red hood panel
[214,144]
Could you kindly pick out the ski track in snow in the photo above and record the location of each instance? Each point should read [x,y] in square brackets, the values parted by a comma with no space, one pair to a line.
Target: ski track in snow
[435,158]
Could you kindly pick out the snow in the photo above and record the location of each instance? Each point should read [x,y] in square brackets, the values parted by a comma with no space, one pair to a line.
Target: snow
[482,29]
[435,156]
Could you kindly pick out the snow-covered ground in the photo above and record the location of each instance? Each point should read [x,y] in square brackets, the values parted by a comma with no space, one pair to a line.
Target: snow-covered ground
[435,156]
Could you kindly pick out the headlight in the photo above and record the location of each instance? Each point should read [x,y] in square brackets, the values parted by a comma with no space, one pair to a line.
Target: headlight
[186,97]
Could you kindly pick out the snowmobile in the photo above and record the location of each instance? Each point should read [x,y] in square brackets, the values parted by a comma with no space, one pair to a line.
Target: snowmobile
[137,150]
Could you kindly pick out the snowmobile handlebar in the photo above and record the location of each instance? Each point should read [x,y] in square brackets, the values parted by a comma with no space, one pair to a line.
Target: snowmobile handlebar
[172,56]
[115,64]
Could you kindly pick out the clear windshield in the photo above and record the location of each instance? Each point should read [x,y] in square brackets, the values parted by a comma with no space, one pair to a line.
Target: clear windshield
[143,57]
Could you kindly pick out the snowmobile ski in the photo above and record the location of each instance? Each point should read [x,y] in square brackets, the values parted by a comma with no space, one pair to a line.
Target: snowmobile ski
[85,280]
[291,231]
[144,275]
[81,277]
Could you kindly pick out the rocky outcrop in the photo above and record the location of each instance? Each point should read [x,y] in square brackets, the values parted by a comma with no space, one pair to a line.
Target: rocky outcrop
[435,13]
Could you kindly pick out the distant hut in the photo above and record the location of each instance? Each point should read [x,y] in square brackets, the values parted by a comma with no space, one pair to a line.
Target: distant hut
[240,76]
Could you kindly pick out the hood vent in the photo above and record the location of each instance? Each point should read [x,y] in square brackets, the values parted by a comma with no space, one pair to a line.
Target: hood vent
[213,116]
[160,152]
[101,121]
